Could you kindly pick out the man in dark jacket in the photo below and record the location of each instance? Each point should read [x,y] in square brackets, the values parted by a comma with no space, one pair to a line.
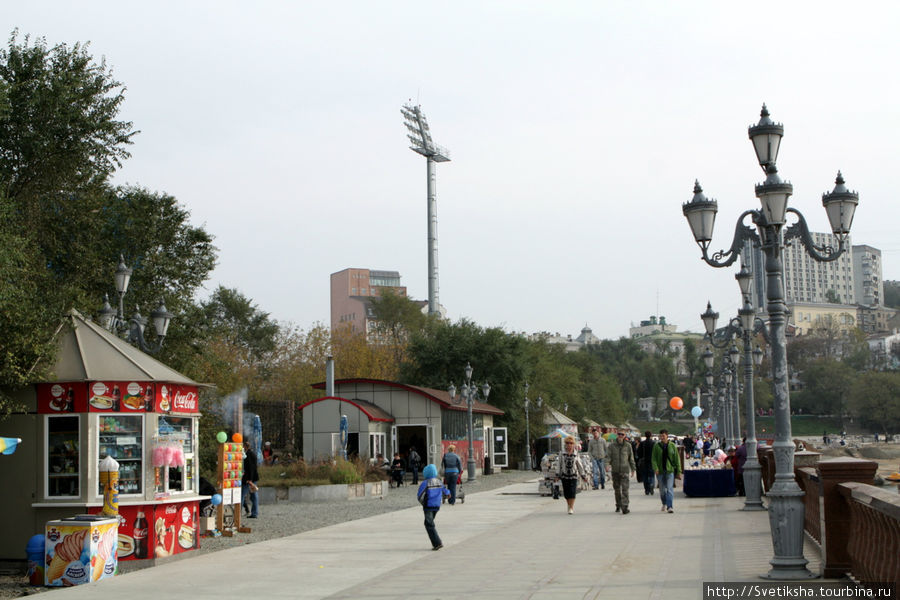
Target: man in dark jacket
[248,483]
[621,464]
[644,457]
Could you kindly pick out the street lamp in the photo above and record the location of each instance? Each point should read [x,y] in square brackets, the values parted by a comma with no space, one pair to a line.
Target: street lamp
[786,508]
[468,393]
[132,329]
[420,136]
[528,464]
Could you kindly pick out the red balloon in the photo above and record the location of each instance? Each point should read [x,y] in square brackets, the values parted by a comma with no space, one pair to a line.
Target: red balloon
[676,403]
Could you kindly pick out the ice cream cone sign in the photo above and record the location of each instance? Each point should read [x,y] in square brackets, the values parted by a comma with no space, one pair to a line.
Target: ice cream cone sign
[8,445]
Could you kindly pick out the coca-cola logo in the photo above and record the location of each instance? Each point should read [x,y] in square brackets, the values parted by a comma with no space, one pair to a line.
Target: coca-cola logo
[185,401]
[171,509]
[140,533]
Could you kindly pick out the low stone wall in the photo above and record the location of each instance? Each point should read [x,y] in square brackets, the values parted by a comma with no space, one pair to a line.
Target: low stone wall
[323,493]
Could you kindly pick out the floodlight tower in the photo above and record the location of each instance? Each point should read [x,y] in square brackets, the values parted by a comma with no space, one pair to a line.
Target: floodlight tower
[420,136]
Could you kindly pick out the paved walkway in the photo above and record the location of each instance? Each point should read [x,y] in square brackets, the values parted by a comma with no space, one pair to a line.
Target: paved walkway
[506,543]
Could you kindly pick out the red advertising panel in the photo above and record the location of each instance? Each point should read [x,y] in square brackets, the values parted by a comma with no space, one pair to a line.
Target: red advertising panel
[120,396]
[156,530]
[62,397]
[177,399]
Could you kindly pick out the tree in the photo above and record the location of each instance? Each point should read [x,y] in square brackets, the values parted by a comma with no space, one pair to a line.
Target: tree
[827,386]
[892,294]
[832,297]
[875,401]
[232,317]
[396,317]
[58,127]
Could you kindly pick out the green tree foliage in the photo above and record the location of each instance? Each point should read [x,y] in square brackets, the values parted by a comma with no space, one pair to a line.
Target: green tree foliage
[875,400]
[828,385]
[58,127]
[396,318]
[892,294]
[63,226]
[231,317]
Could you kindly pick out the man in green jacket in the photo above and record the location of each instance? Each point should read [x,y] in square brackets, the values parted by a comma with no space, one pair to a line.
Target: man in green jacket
[621,464]
[667,466]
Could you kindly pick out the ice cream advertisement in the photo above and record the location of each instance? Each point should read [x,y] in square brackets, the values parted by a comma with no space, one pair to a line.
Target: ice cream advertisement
[80,551]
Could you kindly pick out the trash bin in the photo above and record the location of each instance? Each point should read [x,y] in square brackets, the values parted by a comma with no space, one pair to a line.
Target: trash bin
[34,551]
[487,466]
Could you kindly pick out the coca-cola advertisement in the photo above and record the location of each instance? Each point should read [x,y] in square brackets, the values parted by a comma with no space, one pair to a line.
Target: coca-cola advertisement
[62,397]
[178,399]
[116,396]
[156,530]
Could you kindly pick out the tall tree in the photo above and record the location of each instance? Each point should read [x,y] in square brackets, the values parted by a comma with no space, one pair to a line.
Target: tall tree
[58,123]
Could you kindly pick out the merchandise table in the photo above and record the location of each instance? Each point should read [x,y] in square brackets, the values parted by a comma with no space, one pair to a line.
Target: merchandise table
[709,482]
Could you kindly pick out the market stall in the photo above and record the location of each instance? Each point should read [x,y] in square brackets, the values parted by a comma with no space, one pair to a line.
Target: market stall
[106,398]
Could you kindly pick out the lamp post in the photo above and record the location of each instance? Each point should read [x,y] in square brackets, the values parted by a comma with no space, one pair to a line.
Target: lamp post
[786,508]
[469,392]
[132,329]
[420,136]
[527,433]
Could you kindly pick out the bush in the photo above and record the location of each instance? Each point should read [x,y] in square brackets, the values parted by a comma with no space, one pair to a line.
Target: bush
[338,471]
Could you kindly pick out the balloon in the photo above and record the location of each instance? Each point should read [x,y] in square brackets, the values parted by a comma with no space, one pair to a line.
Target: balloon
[699,445]
[676,403]
[237,438]
[696,411]
[221,437]
[216,499]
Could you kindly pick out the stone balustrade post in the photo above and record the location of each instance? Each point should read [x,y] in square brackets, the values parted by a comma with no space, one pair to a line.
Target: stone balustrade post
[836,511]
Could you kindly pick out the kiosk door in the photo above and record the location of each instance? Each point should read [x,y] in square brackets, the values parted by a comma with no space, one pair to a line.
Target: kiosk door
[500,452]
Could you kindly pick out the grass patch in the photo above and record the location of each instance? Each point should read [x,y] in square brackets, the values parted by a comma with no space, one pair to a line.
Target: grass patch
[301,473]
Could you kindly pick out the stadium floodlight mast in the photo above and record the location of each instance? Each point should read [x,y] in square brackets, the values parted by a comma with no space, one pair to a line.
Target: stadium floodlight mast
[420,136]
[786,507]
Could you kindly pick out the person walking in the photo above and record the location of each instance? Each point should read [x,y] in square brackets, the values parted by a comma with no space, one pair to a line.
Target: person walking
[248,483]
[666,466]
[570,470]
[621,464]
[597,450]
[451,464]
[644,456]
[415,461]
[431,494]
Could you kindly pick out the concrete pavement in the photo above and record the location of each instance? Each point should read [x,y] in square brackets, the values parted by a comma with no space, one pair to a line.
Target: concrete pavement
[506,543]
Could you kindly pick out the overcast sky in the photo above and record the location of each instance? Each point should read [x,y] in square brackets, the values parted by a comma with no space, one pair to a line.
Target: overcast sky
[576,130]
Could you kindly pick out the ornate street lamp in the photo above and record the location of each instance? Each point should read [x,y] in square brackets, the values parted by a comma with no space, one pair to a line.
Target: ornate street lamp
[132,329]
[786,508]
[469,393]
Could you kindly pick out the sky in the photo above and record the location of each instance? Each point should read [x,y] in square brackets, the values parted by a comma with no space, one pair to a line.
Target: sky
[576,131]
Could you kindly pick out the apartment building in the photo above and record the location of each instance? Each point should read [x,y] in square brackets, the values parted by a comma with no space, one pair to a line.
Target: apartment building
[868,285]
[351,293]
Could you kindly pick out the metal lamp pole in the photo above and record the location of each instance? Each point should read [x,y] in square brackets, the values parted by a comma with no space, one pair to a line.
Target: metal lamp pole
[733,354]
[469,392]
[786,508]
[527,433]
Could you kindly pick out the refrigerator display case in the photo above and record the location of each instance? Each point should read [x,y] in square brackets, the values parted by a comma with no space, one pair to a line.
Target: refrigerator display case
[122,438]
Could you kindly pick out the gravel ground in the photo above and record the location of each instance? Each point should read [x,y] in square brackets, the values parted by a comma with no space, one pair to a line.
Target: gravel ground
[280,520]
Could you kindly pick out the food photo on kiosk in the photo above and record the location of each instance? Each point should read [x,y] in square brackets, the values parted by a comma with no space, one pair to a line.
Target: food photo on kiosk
[104,403]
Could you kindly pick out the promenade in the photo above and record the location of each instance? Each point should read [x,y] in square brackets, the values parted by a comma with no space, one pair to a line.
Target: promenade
[504,543]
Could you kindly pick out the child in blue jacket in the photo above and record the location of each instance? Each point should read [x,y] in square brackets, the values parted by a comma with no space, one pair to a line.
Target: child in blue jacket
[430,495]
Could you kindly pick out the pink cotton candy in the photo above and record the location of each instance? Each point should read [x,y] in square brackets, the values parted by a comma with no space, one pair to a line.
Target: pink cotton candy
[170,456]
[159,456]
[178,459]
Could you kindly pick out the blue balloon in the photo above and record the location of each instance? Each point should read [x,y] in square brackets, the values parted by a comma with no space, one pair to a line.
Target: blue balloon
[216,499]
[696,411]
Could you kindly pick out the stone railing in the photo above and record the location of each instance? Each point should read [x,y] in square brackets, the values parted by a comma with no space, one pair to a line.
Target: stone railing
[873,550]
[856,524]
[808,480]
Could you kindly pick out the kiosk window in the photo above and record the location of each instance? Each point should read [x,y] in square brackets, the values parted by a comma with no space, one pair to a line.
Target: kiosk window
[63,473]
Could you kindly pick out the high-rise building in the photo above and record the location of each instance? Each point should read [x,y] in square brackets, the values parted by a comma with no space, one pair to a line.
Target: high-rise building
[867,283]
[351,293]
[806,280]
